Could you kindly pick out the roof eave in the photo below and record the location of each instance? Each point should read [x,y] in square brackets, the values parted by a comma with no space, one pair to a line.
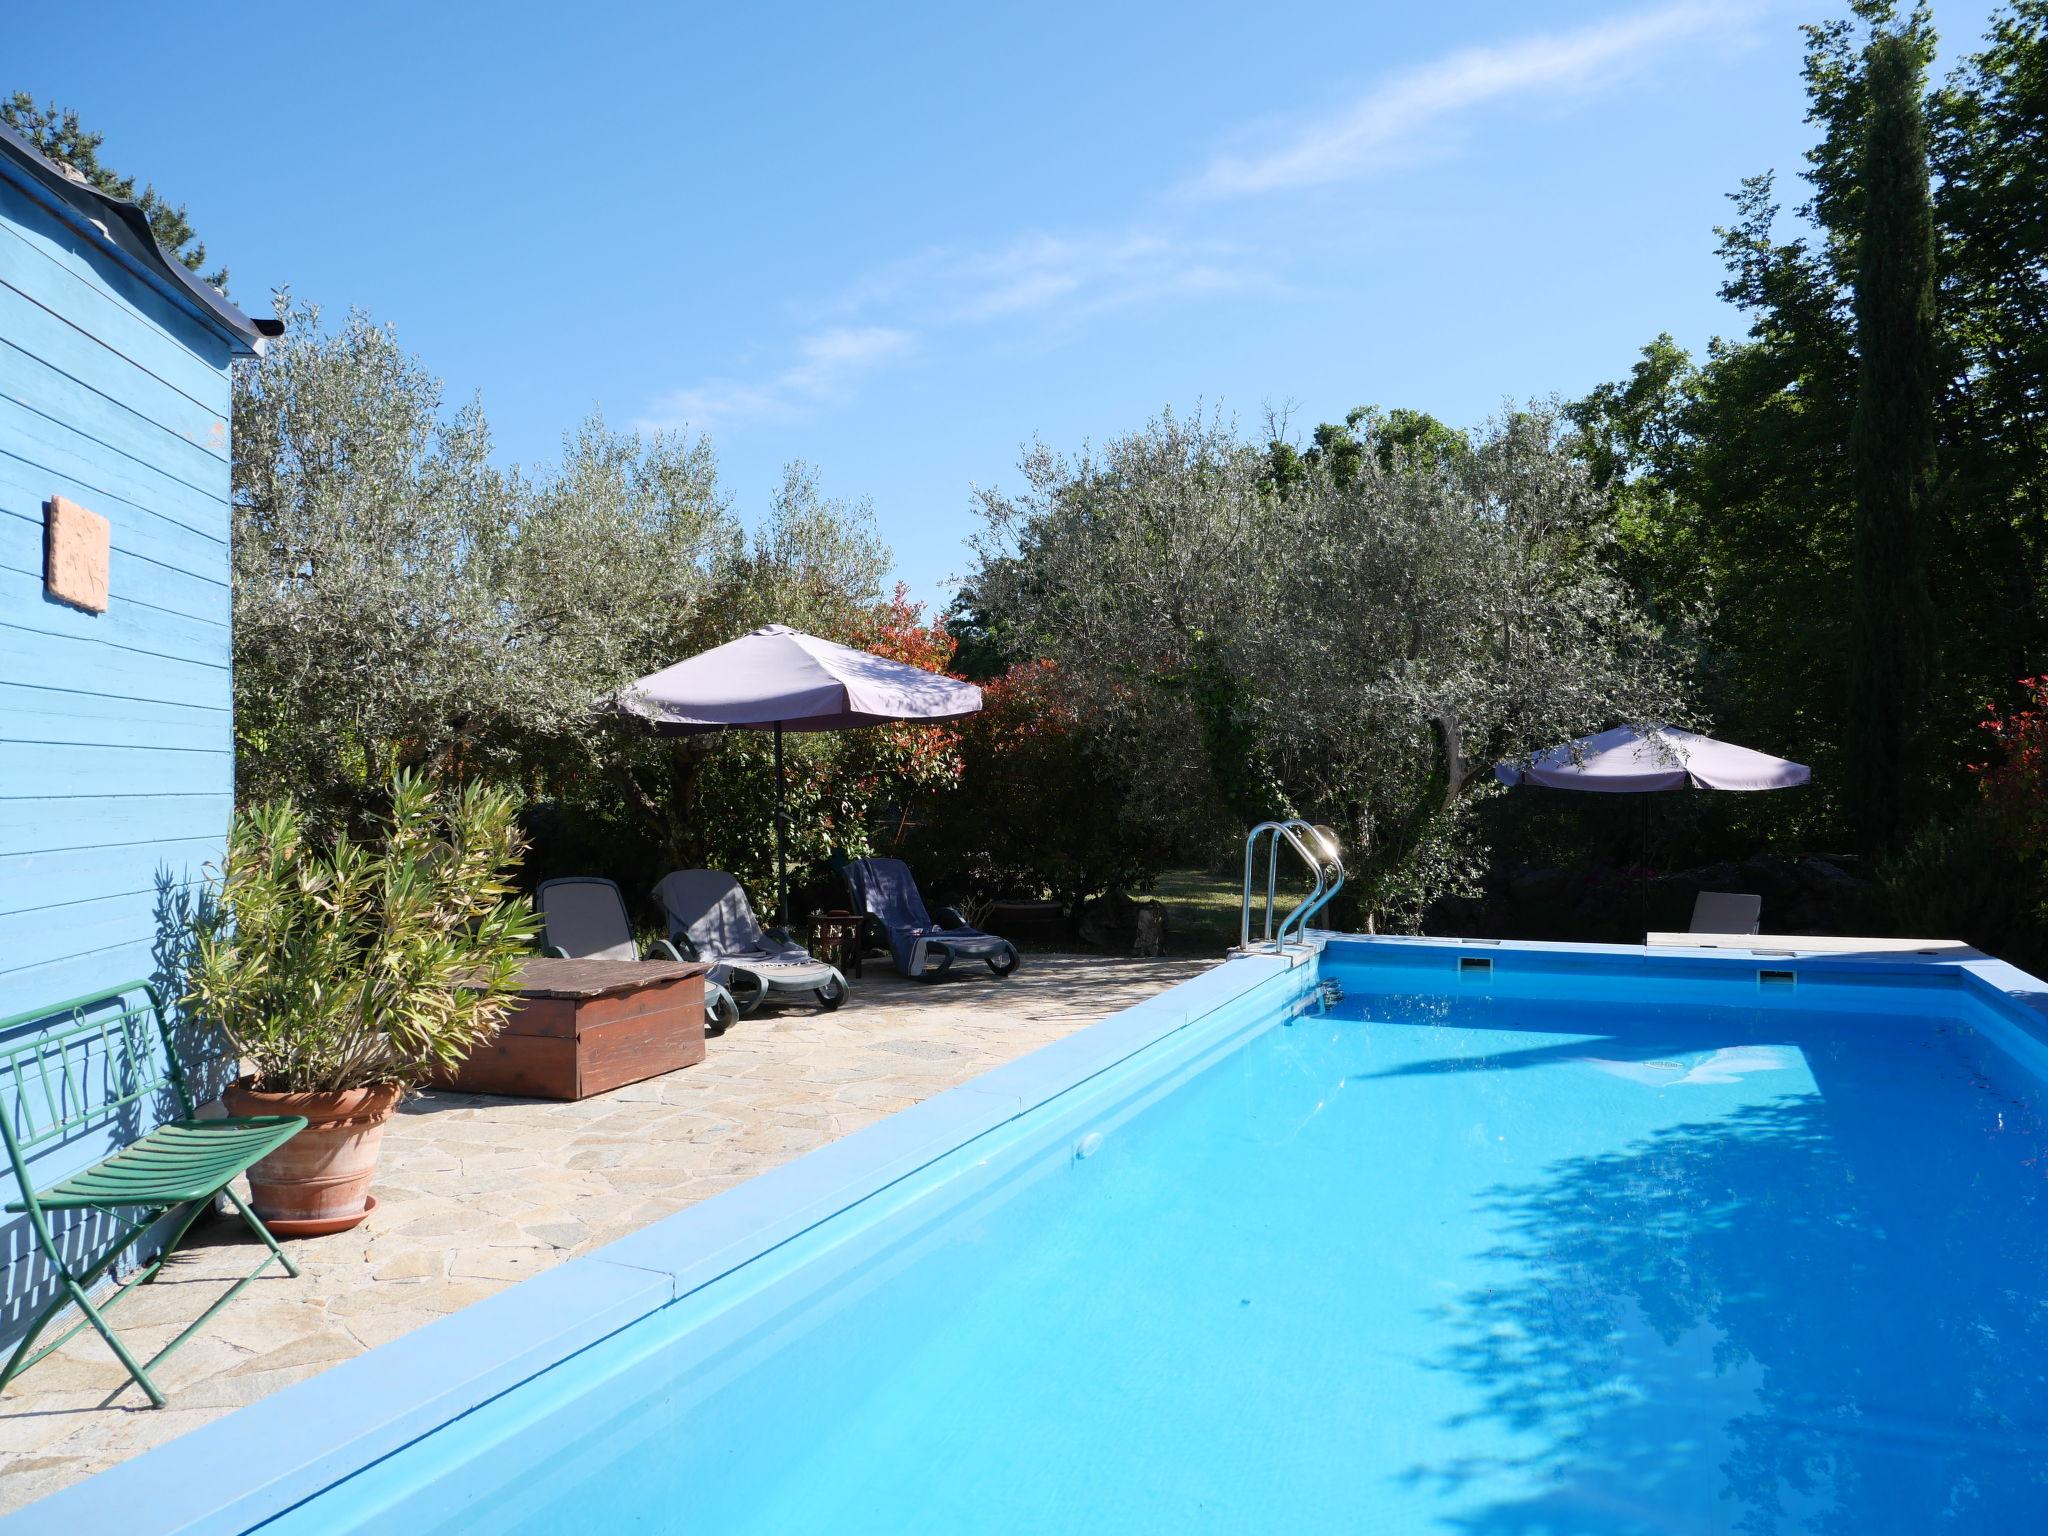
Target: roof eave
[90,211]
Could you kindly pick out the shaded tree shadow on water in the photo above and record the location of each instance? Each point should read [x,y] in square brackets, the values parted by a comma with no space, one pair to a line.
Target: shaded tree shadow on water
[1810,1315]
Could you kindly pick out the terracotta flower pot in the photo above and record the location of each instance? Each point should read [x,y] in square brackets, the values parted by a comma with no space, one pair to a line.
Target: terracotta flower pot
[319,1181]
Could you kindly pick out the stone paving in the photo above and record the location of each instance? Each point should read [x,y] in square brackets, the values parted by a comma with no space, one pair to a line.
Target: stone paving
[476,1193]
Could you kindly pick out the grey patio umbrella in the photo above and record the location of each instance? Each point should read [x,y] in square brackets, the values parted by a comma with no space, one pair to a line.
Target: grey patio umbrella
[1648,759]
[1637,759]
[781,679]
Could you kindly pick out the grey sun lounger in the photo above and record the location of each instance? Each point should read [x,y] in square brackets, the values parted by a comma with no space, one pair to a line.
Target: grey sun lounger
[584,918]
[710,917]
[922,948]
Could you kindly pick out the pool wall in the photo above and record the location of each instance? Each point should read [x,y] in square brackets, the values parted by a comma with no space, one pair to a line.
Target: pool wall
[254,1465]
[2009,1006]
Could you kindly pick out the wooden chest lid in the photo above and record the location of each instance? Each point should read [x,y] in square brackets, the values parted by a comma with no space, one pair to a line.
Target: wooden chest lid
[546,977]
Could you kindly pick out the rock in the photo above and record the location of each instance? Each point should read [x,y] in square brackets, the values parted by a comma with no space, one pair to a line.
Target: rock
[1824,875]
[1108,921]
[1148,937]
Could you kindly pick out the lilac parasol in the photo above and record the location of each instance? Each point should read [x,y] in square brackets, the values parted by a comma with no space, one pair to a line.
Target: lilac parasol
[781,679]
[1636,759]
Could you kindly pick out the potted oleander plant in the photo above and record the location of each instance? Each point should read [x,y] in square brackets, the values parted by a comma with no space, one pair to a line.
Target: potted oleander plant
[342,971]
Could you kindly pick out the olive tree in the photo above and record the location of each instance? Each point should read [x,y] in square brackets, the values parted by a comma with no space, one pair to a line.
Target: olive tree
[401,601]
[399,598]
[361,516]
[1358,649]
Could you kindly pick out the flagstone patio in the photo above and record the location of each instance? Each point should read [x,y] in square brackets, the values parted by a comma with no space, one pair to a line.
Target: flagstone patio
[478,1193]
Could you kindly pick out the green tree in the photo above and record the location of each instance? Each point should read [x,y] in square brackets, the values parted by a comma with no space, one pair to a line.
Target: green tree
[363,522]
[403,601]
[60,136]
[1990,152]
[1339,448]
[1892,442]
[1360,649]
[1732,477]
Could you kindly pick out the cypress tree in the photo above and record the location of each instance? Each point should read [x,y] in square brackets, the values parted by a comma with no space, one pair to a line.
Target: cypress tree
[1892,442]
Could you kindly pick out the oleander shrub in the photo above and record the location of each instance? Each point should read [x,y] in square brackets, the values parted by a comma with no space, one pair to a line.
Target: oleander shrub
[331,962]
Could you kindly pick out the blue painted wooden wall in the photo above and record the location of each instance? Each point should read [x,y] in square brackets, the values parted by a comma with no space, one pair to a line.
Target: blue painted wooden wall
[116,747]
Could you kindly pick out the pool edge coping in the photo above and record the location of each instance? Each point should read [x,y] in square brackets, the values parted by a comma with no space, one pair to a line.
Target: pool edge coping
[253,1464]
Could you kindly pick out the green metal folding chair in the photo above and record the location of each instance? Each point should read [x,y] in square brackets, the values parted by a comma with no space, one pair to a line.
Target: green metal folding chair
[95,1069]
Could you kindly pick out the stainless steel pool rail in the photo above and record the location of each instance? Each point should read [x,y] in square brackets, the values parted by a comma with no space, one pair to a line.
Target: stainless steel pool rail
[1319,850]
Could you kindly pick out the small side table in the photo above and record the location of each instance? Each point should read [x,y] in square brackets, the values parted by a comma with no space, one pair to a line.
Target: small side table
[835,937]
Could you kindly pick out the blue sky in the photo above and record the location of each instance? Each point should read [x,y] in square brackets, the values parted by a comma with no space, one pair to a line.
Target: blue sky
[898,243]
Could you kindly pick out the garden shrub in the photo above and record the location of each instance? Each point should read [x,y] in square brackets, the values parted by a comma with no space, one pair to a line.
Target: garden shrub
[1982,874]
[1039,808]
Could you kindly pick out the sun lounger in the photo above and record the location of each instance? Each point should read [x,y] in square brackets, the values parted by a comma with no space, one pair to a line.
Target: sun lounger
[1726,912]
[922,948]
[710,917]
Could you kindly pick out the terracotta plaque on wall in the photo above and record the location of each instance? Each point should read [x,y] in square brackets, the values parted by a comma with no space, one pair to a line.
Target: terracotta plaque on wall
[76,544]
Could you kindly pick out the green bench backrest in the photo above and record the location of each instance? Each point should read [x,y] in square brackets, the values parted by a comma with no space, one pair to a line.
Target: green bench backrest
[93,1060]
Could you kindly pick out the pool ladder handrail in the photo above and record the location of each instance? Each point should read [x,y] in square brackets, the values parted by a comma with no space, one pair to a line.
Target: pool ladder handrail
[1318,849]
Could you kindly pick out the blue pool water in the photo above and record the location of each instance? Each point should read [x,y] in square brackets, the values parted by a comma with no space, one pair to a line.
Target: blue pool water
[1561,1258]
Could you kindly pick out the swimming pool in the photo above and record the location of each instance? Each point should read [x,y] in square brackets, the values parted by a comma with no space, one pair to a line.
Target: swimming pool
[1514,1240]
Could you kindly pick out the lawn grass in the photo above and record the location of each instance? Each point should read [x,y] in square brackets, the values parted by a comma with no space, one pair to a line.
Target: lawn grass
[1201,910]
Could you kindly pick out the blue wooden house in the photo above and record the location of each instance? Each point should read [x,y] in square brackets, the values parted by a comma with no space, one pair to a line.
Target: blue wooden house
[116,741]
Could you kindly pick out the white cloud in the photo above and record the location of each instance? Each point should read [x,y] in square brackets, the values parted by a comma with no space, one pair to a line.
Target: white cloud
[826,364]
[1057,278]
[825,360]
[1031,274]
[1393,123]
[1052,280]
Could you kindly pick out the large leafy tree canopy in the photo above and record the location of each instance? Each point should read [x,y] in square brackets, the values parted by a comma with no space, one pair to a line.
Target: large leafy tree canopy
[402,601]
[1356,636]
[395,590]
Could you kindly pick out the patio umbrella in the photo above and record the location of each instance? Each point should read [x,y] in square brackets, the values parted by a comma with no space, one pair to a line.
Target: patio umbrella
[1634,759]
[781,679]
[1645,759]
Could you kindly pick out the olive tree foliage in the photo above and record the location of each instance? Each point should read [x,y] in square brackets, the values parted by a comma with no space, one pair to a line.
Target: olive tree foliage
[399,598]
[1357,647]
[608,563]
[401,601]
[358,516]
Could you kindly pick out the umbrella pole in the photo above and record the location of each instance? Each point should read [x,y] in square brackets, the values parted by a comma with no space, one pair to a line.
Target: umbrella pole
[1646,865]
[781,836]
